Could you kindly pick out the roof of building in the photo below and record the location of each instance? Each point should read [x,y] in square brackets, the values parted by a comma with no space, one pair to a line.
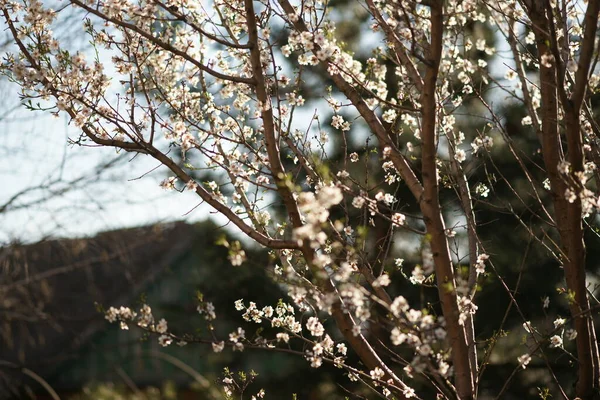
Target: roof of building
[49,290]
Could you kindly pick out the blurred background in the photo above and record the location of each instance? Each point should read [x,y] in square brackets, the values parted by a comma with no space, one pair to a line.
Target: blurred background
[86,228]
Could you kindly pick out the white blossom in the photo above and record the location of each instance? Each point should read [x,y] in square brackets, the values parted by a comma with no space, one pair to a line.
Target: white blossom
[556,341]
[524,360]
[165,340]
[398,219]
[218,346]
[162,326]
[383,280]
[460,155]
[377,373]
[315,327]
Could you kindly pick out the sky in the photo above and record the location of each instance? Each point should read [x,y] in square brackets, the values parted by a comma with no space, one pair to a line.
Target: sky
[35,153]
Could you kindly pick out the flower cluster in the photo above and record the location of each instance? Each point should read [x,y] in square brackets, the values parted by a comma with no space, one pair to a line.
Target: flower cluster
[283,316]
[145,320]
[315,209]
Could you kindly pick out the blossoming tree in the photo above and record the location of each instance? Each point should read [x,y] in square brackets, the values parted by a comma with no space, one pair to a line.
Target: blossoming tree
[219,87]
